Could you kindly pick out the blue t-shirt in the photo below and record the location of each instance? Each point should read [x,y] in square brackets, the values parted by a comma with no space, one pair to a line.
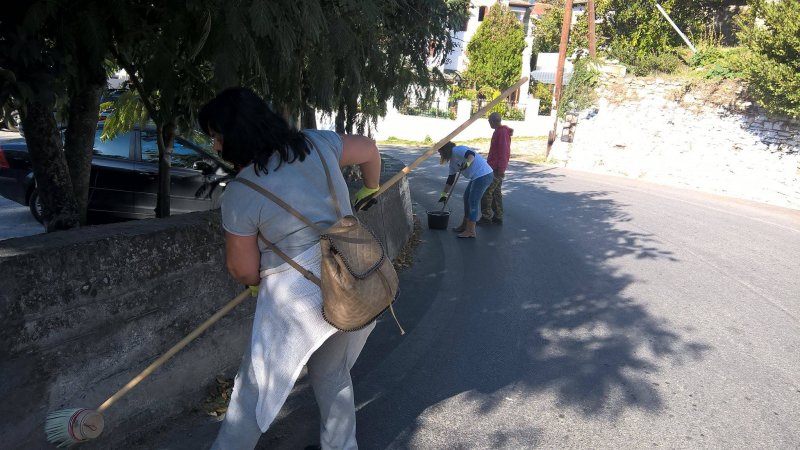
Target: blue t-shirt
[477,169]
[301,184]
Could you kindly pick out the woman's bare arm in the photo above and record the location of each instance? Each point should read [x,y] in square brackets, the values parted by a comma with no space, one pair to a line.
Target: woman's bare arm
[243,258]
[362,151]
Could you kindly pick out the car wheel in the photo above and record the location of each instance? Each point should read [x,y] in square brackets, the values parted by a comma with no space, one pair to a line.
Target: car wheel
[35,203]
[13,122]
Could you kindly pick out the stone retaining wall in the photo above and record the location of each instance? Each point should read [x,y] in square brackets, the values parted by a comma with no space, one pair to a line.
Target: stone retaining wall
[83,311]
[701,135]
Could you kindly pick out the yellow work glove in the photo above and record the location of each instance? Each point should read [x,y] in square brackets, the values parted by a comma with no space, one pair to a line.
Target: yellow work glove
[253,290]
[465,165]
[364,198]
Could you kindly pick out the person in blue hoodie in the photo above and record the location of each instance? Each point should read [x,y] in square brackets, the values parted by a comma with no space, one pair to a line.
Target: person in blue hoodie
[477,170]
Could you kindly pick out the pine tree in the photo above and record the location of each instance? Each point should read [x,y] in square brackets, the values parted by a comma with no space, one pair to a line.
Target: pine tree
[495,51]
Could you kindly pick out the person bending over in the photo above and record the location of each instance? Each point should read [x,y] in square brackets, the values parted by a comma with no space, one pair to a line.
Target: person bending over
[474,168]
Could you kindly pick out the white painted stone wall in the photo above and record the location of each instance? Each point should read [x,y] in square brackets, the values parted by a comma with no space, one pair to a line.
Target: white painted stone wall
[417,128]
[706,138]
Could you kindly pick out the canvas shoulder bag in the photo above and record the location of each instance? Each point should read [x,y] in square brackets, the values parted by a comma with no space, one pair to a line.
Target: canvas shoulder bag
[357,279]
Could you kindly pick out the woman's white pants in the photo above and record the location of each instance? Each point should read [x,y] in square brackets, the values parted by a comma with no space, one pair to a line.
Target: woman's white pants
[329,374]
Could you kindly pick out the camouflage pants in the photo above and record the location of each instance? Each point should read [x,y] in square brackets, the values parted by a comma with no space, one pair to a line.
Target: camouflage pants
[492,200]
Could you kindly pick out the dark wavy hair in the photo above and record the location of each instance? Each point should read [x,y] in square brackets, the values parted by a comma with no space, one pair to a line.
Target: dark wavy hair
[446,152]
[250,131]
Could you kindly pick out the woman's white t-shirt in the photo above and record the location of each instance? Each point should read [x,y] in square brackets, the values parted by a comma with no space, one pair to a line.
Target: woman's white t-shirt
[301,184]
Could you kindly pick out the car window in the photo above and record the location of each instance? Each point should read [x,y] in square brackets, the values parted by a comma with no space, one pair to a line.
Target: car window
[182,155]
[119,147]
[197,139]
[201,140]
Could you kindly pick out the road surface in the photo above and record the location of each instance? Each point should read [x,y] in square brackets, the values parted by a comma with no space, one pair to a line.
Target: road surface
[604,313]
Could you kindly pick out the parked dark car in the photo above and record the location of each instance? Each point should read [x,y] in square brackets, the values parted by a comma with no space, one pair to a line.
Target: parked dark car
[124,176]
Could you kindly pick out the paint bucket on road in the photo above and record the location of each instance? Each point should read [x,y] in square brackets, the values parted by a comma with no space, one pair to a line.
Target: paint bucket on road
[437,220]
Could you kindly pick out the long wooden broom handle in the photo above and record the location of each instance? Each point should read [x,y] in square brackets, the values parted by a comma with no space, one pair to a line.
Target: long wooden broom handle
[175,349]
[399,175]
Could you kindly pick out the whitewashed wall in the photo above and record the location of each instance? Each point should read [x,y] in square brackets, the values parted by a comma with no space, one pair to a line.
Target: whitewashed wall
[417,128]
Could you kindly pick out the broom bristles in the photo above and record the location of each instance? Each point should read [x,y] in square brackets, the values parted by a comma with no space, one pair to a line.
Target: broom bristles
[58,427]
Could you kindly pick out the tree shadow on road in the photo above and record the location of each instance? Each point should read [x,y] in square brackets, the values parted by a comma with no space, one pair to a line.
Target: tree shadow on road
[535,313]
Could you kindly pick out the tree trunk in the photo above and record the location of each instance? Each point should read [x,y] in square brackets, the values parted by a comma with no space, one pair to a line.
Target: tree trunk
[352,111]
[309,117]
[166,138]
[84,105]
[49,166]
[340,118]
[351,120]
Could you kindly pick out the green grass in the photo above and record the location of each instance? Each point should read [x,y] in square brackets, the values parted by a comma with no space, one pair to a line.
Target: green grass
[535,159]
[391,140]
[514,139]
[397,141]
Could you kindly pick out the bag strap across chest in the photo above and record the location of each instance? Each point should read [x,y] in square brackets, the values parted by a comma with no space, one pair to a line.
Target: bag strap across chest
[277,200]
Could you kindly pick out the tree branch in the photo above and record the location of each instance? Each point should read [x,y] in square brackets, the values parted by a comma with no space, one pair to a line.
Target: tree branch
[136,82]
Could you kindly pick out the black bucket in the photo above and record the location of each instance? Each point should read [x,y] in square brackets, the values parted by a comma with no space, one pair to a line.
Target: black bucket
[437,220]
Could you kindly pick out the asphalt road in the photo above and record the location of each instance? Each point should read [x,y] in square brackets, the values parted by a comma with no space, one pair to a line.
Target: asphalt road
[604,313]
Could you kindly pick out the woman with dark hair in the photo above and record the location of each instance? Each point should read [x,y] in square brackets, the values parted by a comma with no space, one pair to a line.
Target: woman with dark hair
[473,167]
[289,330]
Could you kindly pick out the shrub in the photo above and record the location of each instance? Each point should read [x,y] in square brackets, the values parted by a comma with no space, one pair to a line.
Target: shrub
[638,26]
[495,51]
[579,93]
[667,62]
[459,93]
[719,62]
[514,114]
[544,92]
[772,32]
[643,64]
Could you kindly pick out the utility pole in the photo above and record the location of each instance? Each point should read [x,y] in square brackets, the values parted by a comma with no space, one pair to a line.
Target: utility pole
[592,38]
[562,56]
[566,24]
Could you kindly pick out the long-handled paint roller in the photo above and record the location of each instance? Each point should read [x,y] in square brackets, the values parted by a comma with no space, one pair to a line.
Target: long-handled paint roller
[435,148]
[68,427]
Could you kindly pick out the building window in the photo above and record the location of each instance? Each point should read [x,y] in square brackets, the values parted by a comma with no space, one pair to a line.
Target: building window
[481,13]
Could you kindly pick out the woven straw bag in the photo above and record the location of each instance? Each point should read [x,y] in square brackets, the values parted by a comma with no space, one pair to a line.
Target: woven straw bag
[358,281]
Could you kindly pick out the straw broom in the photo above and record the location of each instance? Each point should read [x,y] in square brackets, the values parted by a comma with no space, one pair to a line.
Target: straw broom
[68,427]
